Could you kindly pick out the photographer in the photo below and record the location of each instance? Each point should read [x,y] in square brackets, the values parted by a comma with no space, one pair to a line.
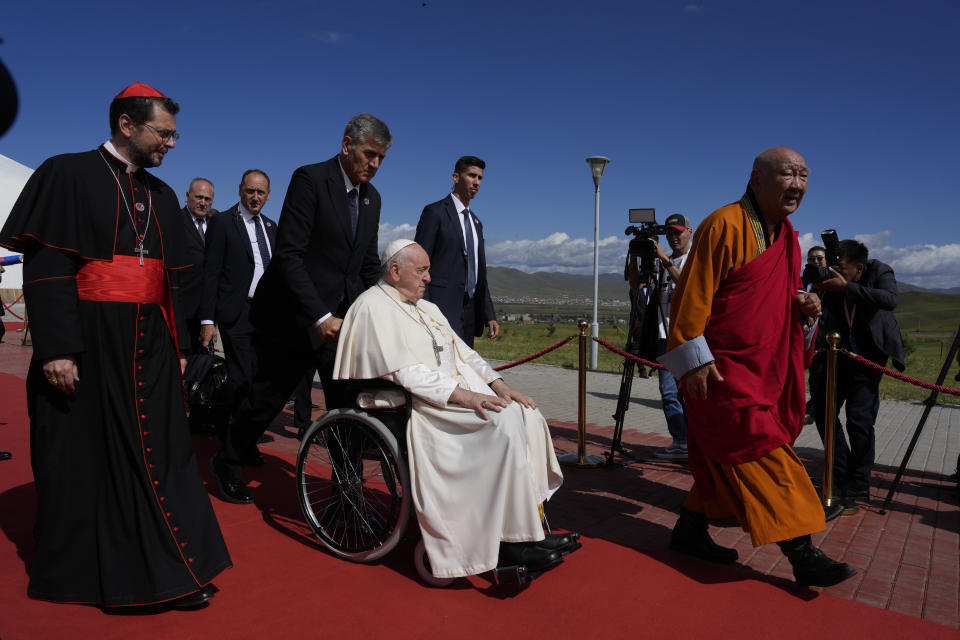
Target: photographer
[858,303]
[678,232]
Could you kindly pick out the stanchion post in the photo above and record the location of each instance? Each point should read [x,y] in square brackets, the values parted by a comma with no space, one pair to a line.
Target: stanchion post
[581,458]
[833,340]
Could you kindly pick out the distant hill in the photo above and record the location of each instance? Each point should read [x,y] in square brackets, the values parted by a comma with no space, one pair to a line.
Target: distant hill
[513,283]
[906,286]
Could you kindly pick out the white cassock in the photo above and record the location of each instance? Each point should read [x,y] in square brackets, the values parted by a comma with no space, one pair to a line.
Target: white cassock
[474,482]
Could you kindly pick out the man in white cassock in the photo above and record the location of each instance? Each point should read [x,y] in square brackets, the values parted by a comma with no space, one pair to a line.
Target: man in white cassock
[480,454]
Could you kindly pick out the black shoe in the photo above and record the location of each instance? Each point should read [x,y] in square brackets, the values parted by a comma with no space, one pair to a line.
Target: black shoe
[690,536]
[194,600]
[850,507]
[527,554]
[812,567]
[857,495]
[563,543]
[231,489]
[5,455]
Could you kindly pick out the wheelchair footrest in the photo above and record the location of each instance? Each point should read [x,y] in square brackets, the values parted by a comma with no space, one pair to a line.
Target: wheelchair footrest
[520,574]
[512,574]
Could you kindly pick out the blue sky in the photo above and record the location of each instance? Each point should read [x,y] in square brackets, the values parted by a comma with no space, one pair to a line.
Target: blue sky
[680,95]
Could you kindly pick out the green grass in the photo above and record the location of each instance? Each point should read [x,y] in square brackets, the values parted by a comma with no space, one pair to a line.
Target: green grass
[928,322]
[520,340]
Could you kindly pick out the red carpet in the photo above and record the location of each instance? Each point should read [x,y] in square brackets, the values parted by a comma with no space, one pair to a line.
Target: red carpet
[285,585]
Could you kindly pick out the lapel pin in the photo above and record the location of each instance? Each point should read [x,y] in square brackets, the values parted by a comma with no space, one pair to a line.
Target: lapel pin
[138,206]
[366,201]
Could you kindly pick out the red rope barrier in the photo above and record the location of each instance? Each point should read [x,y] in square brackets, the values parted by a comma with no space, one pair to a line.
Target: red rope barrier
[535,355]
[900,376]
[652,365]
[10,309]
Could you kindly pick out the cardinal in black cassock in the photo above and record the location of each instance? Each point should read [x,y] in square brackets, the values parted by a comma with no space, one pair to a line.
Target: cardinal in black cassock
[122,516]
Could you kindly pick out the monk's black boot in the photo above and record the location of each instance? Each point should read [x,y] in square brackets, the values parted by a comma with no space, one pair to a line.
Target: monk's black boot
[690,536]
[812,567]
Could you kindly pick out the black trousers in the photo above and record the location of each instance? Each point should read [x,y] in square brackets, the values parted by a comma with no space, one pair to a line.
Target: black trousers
[240,354]
[469,319]
[303,402]
[281,367]
[858,390]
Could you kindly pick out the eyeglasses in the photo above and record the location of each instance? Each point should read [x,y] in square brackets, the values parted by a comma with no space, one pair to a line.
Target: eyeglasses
[164,135]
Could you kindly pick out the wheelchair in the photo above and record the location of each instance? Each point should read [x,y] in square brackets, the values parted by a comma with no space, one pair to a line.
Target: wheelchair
[353,482]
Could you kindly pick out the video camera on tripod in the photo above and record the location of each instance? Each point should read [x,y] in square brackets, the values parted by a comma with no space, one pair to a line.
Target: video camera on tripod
[642,246]
[642,334]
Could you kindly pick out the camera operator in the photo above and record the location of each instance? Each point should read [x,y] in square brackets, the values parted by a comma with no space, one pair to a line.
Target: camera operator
[858,303]
[678,232]
[817,257]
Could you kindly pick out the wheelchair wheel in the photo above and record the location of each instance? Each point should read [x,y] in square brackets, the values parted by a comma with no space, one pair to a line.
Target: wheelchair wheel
[352,483]
[422,563]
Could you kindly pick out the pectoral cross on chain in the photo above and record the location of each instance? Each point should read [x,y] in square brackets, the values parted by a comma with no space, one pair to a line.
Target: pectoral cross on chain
[139,249]
[436,347]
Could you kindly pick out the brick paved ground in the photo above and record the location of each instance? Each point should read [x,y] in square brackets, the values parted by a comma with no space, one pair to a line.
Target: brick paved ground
[908,559]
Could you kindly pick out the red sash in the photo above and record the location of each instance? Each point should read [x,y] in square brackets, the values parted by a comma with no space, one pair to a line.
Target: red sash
[756,338]
[124,280]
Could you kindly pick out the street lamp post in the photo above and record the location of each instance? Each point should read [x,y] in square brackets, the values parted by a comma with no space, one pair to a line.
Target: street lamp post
[597,165]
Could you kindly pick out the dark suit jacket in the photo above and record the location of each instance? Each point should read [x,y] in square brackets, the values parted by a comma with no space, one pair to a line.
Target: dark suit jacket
[318,267]
[228,265]
[440,234]
[191,284]
[876,296]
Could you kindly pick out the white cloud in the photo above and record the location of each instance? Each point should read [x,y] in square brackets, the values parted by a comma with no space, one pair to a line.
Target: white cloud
[389,233]
[930,266]
[558,252]
[327,37]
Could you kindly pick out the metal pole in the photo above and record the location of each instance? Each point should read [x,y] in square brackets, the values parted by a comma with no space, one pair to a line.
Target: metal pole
[595,327]
[833,339]
[581,458]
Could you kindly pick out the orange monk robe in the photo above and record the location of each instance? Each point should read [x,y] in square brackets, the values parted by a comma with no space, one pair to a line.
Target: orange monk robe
[770,496]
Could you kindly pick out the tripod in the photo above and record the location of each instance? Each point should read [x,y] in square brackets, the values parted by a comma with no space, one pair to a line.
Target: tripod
[929,402]
[638,323]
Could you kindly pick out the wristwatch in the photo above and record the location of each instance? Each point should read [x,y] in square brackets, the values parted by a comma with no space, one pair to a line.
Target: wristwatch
[667,264]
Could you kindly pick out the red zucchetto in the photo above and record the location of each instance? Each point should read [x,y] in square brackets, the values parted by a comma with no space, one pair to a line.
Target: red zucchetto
[139,90]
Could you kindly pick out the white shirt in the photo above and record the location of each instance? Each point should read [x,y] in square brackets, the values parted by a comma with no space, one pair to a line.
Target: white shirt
[112,150]
[258,268]
[666,292]
[463,230]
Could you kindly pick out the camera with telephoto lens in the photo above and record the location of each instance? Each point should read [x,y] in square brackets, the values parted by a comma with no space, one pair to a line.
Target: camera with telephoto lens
[814,273]
[642,245]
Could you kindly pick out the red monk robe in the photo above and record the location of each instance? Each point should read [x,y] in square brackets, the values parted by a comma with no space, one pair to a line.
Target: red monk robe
[737,300]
